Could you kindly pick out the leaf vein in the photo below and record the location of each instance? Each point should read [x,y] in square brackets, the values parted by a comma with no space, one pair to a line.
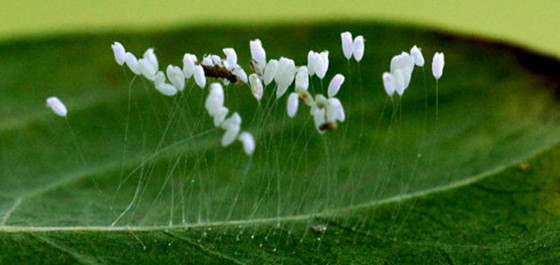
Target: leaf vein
[8,213]
[73,253]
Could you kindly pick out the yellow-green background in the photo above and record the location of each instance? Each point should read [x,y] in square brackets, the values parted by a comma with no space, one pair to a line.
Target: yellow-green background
[533,24]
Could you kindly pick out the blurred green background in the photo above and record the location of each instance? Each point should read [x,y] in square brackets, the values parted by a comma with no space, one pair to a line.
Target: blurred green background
[532,24]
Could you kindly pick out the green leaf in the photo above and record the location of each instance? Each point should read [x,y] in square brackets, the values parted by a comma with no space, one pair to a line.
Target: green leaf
[132,176]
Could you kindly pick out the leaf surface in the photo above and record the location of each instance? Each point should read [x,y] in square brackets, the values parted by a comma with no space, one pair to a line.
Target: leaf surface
[132,176]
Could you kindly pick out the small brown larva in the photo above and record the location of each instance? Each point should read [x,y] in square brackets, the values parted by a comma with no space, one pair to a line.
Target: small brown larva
[320,229]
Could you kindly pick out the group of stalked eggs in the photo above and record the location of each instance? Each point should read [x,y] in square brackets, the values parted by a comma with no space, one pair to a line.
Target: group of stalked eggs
[327,111]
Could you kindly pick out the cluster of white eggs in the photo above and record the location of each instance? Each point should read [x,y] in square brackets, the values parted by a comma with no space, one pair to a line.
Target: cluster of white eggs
[327,111]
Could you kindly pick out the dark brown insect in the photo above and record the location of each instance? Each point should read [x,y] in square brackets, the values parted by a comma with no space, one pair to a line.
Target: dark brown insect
[328,126]
[217,71]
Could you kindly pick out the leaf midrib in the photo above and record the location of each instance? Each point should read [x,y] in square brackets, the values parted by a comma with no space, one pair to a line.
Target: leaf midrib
[259,221]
